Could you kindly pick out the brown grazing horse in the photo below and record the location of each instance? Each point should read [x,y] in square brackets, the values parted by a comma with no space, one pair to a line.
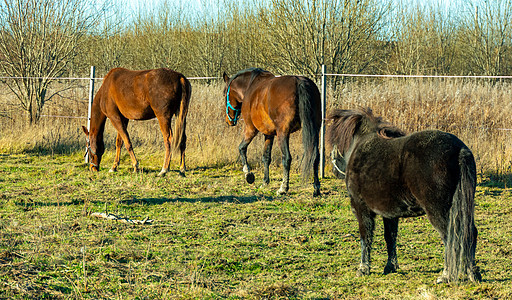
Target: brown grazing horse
[275,106]
[395,175]
[139,95]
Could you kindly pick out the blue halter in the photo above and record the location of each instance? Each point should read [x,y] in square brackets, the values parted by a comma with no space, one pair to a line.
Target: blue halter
[228,106]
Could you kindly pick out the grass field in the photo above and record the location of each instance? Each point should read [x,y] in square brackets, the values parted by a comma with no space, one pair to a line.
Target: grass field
[214,236]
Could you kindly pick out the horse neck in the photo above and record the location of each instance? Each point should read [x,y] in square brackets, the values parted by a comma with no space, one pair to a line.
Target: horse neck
[247,80]
[97,127]
[348,152]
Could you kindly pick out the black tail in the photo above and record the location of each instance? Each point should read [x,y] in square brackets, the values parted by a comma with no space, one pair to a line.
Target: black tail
[310,116]
[462,233]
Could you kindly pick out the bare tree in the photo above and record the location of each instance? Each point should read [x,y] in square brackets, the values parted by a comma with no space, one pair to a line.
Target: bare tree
[487,35]
[424,40]
[38,39]
[307,34]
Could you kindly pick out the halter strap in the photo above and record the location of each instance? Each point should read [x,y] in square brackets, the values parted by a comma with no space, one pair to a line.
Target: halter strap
[334,163]
[228,106]
[88,150]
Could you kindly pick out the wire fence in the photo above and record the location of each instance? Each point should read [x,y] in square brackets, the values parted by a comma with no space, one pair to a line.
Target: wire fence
[323,89]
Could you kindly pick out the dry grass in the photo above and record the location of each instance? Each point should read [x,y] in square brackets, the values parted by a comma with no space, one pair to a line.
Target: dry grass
[476,111]
[215,236]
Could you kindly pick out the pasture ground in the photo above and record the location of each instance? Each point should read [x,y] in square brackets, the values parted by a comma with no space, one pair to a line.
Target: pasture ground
[214,236]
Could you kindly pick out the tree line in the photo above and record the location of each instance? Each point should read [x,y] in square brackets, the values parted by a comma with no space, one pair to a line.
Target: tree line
[52,38]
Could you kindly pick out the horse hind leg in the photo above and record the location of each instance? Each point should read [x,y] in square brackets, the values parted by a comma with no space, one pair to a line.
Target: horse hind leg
[390,235]
[287,160]
[166,130]
[316,180]
[183,146]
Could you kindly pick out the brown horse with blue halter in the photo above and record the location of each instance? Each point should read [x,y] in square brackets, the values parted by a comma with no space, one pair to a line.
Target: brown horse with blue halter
[139,95]
[275,106]
[396,176]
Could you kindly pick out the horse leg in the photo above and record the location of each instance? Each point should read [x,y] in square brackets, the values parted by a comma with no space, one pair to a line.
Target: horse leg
[366,220]
[267,156]
[287,160]
[439,221]
[316,181]
[473,271]
[390,234]
[119,144]
[166,129]
[249,135]
[183,146]
[120,123]
[441,225]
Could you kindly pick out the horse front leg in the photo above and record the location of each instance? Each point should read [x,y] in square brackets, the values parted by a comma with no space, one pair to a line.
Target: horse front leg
[267,157]
[120,123]
[366,220]
[390,234]
[119,145]
[248,137]
[287,161]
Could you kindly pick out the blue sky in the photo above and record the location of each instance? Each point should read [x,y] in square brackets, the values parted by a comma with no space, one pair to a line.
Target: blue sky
[199,4]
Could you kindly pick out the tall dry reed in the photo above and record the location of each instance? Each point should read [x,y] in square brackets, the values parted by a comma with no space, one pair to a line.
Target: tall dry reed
[477,112]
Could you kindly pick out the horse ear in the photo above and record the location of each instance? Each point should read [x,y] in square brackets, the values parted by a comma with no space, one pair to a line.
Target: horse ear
[85,130]
[226,77]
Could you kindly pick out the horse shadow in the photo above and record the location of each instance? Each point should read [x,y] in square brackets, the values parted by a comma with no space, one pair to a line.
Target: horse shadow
[215,199]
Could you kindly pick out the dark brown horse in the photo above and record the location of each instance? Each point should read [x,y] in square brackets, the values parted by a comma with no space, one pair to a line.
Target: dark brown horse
[275,106]
[395,175]
[139,95]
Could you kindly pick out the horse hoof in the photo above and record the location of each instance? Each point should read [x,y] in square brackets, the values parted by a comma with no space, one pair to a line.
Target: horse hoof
[316,193]
[474,275]
[161,174]
[182,174]
[249,177]
[390,269]
[361,273]
[112,170]
[281,192]
[442,279]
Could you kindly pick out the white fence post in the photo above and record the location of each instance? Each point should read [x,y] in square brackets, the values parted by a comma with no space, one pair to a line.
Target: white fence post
[322,128]
[91,96]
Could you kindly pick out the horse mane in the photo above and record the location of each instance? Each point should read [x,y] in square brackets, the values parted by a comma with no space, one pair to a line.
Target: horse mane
[345,123]
[254,73]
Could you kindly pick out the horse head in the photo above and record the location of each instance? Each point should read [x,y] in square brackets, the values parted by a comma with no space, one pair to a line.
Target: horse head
[234,92]
[346,126]
[233,101]
[94,150]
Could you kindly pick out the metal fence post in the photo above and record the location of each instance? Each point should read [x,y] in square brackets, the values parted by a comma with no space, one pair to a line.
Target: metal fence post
[322,128]
[91,96]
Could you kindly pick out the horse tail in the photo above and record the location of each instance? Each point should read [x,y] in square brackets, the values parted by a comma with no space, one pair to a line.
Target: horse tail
[462,233]
[180,138]
[310,115]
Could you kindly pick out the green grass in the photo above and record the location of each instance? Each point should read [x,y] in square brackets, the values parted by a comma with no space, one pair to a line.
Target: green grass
[214,236]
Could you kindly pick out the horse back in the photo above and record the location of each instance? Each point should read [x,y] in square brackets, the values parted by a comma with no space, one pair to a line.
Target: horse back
[271,105]
[140,95]
[433,159]
[400,177]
